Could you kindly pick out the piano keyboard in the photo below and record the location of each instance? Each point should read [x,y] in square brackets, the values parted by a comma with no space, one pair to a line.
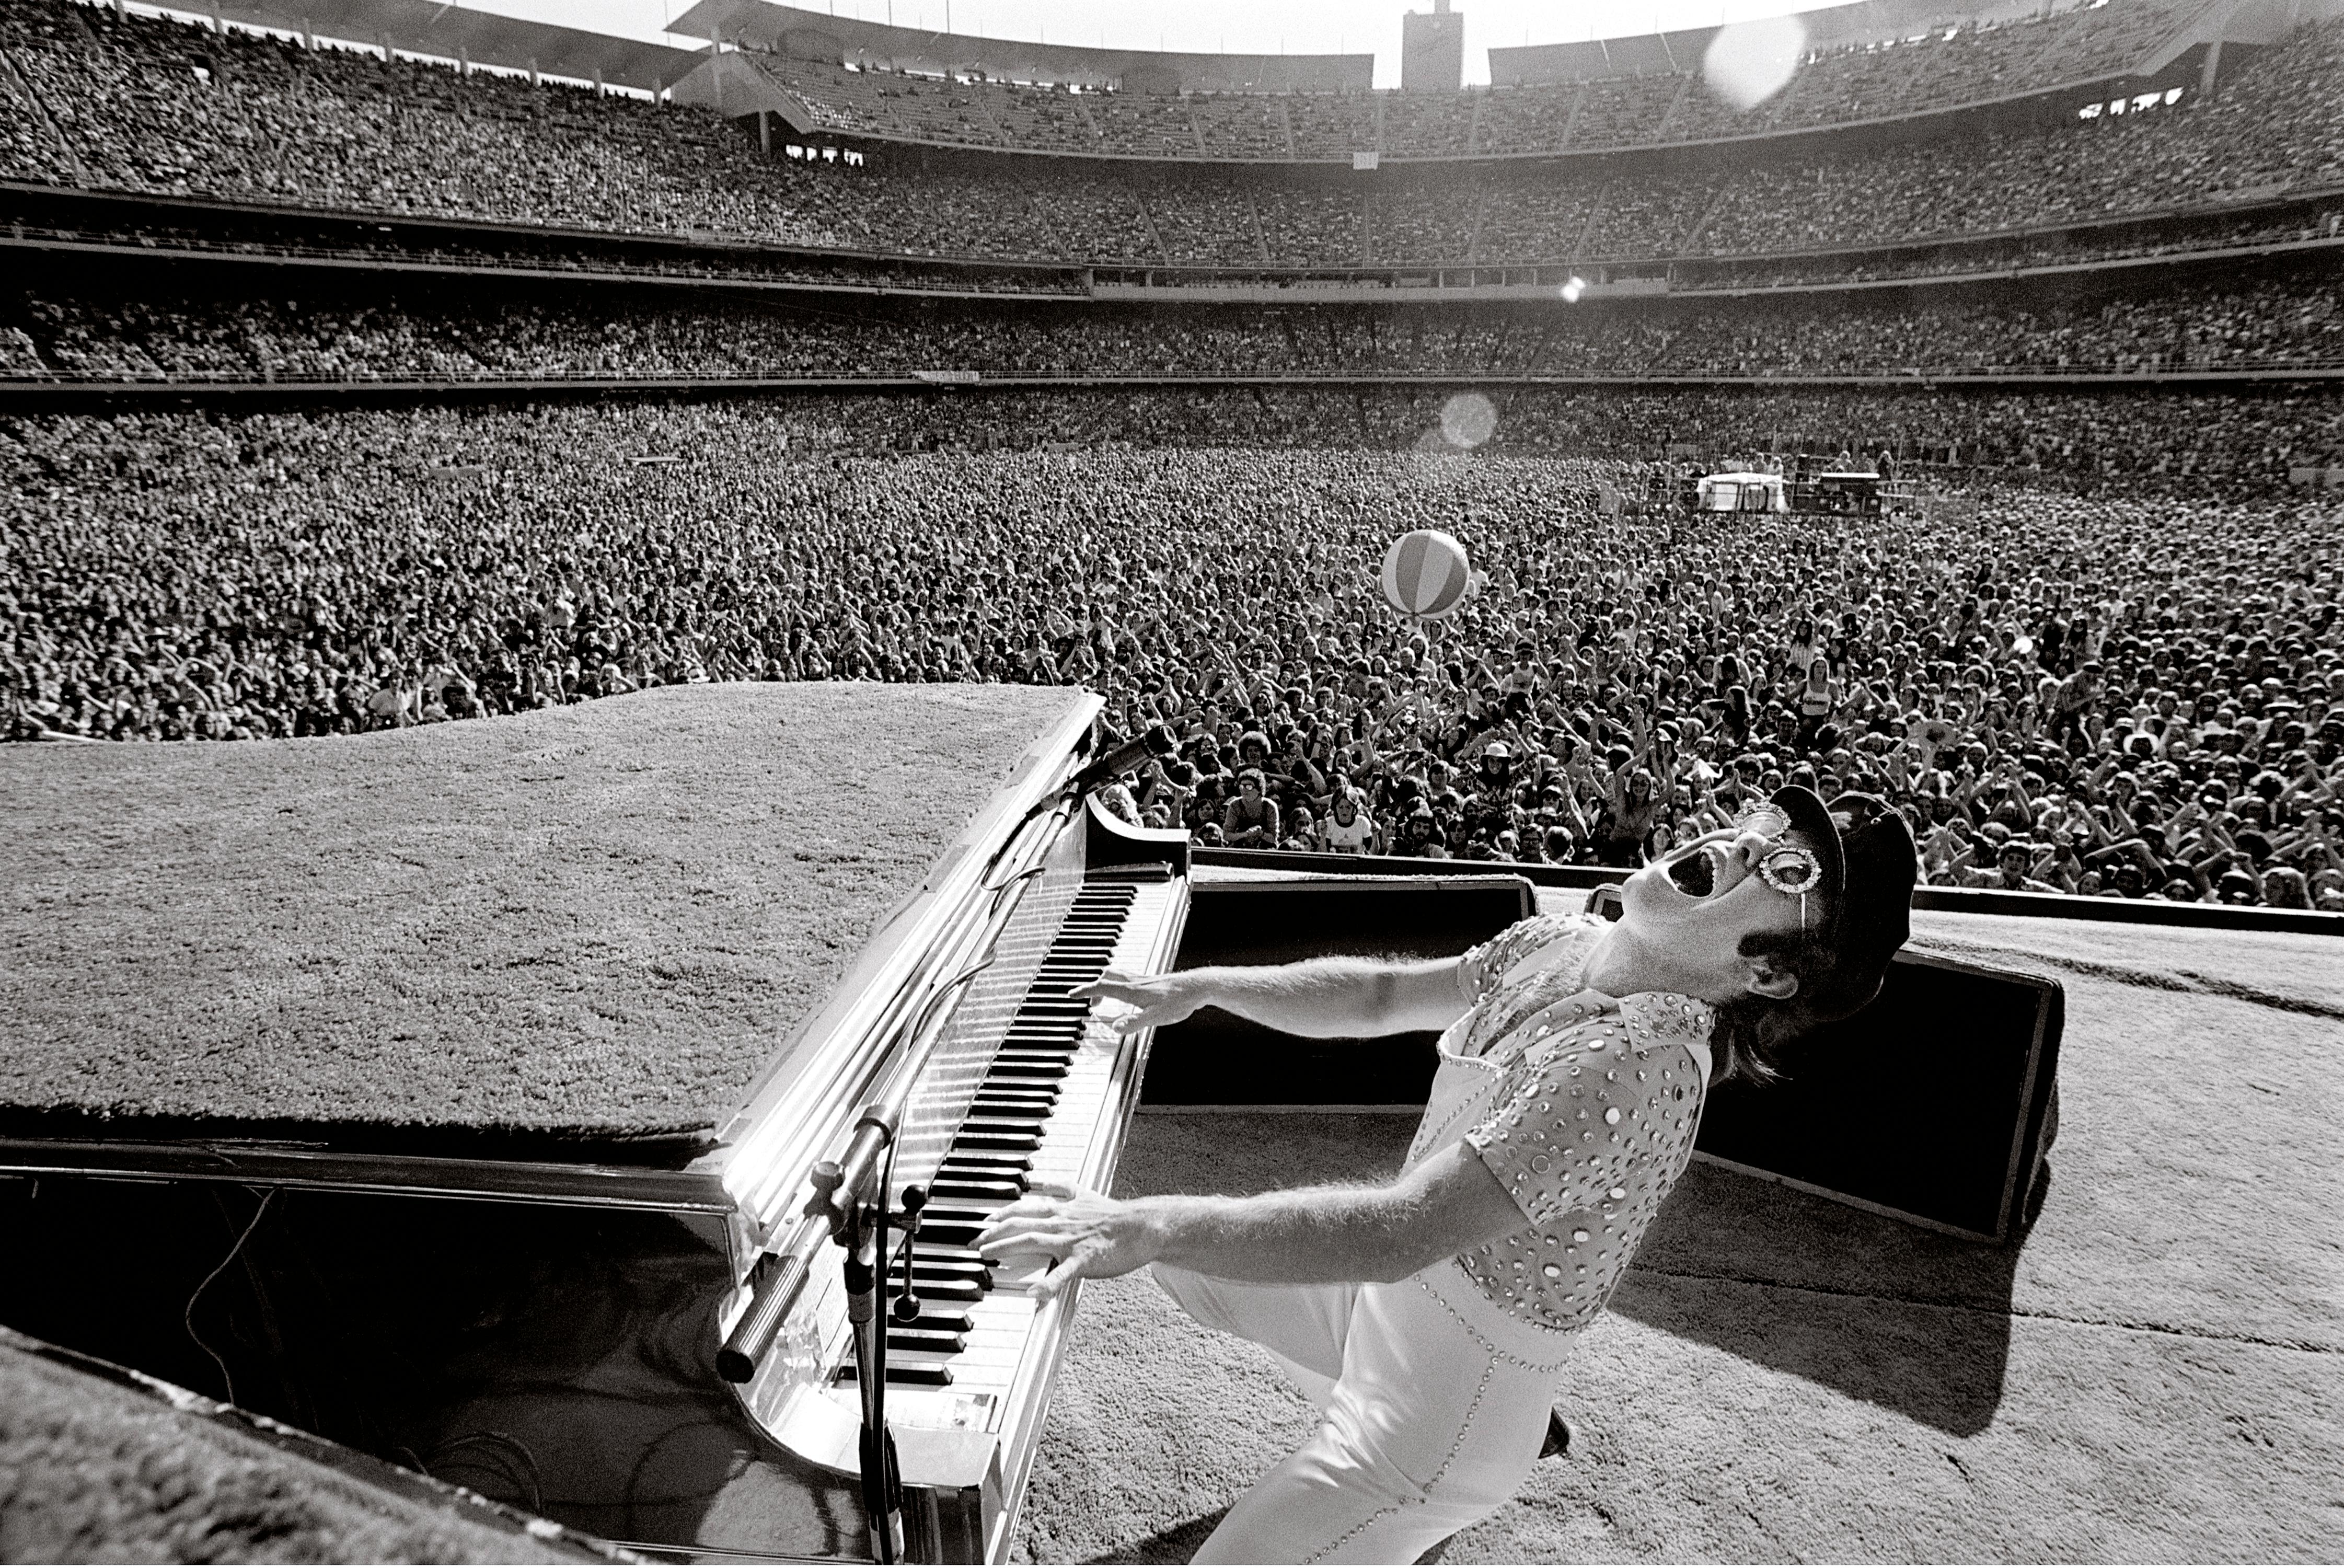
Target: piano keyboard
[1051,1106]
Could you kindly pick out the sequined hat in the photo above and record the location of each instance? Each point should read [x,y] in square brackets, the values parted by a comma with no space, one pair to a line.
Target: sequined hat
[1868,871]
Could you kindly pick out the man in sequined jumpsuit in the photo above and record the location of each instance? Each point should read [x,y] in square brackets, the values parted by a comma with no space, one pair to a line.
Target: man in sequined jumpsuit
[1431,1317]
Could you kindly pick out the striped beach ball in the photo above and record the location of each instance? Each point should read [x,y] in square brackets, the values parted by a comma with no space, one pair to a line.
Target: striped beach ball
[1426,574]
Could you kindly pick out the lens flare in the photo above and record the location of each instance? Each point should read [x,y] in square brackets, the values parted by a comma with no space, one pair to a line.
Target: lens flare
[1750,62]
[1574,289]
[1468,419]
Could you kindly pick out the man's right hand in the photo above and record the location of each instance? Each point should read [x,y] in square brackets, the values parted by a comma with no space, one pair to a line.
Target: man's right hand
[1158,1001]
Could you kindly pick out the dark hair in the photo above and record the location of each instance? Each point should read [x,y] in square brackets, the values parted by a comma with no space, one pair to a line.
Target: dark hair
[1752,1032]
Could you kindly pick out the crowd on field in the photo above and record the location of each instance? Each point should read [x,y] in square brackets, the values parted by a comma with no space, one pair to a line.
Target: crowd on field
[2131,697]
[159,107]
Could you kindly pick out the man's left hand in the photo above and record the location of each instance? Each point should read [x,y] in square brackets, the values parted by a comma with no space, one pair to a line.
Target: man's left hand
[1084,1235]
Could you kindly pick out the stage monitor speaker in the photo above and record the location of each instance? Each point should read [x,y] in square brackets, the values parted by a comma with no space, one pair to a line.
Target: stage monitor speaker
[1215,1059]
[1936,1104]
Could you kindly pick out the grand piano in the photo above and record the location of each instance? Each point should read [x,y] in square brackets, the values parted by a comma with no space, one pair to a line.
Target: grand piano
[522,1193]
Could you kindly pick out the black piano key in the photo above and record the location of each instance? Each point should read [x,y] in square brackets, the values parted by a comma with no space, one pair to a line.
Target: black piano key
[1030,1070]
[1013,1110]
[924,1248]
[1037,1098]
[921,1342]
[909,1370]
[968,1290]
[977,1192]
[939,1322]
[1026,1069]
[1034,1056]
[993,1165]
[996,1142]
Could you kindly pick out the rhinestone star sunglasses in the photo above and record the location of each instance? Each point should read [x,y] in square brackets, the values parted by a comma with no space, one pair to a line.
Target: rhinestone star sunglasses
[1786,867]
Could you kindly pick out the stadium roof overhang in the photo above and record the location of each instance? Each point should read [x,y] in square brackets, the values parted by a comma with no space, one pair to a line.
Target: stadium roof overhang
[816,36]
[450,32]
[734,85]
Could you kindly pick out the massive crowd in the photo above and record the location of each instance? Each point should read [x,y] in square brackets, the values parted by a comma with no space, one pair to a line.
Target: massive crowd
[368,331]
[1939,68]
[165,108]
[2122,697]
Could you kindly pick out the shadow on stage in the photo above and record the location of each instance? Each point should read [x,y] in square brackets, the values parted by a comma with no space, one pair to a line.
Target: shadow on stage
[1873,1307]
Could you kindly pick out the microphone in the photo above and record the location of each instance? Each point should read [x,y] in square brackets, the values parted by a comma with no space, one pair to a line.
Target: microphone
[1157,741]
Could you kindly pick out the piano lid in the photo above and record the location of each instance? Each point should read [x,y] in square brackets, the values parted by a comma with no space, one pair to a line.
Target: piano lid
[580,935]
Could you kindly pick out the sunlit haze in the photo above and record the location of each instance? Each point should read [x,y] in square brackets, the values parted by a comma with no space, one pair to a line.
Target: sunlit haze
[1241,26]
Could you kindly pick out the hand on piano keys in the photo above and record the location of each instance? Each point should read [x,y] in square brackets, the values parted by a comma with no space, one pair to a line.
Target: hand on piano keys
[1156,1002]
[1067,1233]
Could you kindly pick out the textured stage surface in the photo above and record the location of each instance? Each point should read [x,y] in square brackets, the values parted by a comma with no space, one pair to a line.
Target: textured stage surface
[591,921]
[2156,1374]
[93,1472]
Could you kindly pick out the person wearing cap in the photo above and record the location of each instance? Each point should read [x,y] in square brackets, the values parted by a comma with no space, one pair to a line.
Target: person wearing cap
[1432,1318]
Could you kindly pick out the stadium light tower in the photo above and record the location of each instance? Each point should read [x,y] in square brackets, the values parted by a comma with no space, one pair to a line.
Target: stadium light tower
[1432,50]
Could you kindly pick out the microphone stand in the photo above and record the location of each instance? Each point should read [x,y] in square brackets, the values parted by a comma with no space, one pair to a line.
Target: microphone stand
[856,1208]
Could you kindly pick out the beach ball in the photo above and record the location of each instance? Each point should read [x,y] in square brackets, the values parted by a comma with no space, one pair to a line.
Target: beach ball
[1426,574]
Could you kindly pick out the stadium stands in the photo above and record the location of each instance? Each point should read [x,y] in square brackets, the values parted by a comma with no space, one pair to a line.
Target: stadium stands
[337,332]
[272,122]
[1937,70]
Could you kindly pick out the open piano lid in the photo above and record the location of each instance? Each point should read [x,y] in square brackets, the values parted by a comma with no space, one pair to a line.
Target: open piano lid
[551,957]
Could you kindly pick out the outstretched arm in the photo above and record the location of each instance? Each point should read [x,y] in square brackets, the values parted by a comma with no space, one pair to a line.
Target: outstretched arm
[1447,1205]
[1320,998]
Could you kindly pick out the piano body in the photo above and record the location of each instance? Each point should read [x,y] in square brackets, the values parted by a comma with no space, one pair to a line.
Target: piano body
[632,1329]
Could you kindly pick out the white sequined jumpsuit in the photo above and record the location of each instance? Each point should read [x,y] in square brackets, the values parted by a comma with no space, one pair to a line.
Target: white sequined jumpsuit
[1434,1391]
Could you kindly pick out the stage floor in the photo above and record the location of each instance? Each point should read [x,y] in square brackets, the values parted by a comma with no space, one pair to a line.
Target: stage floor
[2156,1374]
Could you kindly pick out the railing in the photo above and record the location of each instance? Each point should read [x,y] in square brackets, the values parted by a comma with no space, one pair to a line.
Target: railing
[820,272]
